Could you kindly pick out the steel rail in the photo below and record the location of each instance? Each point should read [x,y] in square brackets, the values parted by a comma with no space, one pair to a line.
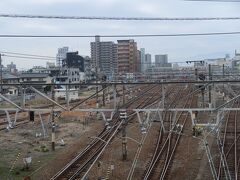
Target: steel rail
[157,153]
[78,171]
[144,104]
[234,144]
[147,175]
[163,175]
[223,144]
[131,172]
[168,160]
[81,154]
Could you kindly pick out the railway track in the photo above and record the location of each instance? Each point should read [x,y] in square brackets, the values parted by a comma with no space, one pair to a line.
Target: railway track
[80,163]
[230,143]
[24,120]
[161,162]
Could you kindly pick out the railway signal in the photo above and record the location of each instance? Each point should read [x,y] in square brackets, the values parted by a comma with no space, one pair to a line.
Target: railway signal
[202,77]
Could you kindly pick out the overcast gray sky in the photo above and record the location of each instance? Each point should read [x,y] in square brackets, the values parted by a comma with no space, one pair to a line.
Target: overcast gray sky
[178,48]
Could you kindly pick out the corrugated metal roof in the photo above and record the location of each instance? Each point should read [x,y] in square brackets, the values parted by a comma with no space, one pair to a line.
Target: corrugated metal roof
[10,76]
[34,75]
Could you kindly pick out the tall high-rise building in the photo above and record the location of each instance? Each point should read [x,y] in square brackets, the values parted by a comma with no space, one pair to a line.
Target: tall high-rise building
[12,68]
[143,65]
[148,60]
[138,61]
[62,54]
[127,56]
[162,61]
[104,56]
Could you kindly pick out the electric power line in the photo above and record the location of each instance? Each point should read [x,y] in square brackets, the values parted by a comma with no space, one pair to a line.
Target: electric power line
[26,57]
[117,18]
[23,54]
[29,58]
[215,0]
[114,36]
[46,59]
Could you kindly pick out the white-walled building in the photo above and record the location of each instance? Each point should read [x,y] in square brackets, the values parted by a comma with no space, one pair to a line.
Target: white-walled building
[71,76]
[73,94]
[62,54]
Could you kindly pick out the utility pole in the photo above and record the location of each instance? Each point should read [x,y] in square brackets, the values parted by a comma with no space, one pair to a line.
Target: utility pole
[123,117]
[163,95]
[210,86]
[97,40]
[67,95]
[203,99]
[104,78]
[53,123]
[114,97]
[223,70]
[223,73]
[22,92]
[96,71]
[196,74]
[1,72]
[103,95]
[123,98]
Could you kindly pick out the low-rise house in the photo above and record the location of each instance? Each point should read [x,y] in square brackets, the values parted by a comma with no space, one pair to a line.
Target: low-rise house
[41,78]
[10,79]
[36,78]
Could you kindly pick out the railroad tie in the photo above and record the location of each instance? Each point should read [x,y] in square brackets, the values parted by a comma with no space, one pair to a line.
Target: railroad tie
[13,165]
[108,173]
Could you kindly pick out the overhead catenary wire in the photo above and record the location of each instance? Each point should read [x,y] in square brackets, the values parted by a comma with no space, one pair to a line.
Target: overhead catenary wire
[26,57]
[214,0]
[6,53]
[23,54]
[118,36]
[117,18]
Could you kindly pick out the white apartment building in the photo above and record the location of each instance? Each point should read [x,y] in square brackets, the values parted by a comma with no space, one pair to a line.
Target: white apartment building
[62,52]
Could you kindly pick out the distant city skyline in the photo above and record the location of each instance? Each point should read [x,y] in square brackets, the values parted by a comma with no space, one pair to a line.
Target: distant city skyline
[43,63]
[177,48]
